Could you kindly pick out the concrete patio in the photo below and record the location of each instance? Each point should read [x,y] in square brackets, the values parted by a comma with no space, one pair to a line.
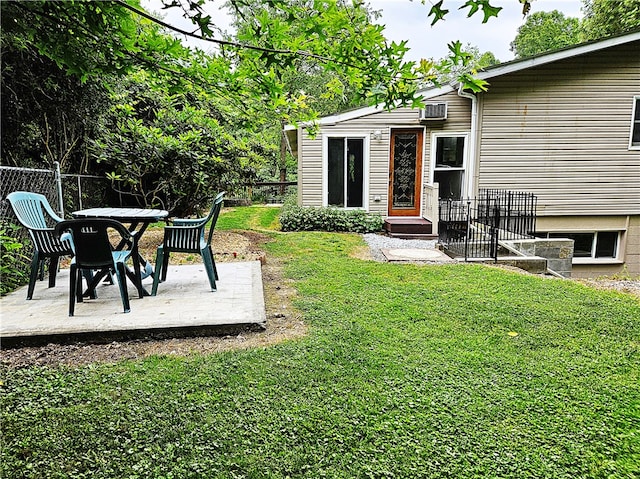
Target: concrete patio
[184,306]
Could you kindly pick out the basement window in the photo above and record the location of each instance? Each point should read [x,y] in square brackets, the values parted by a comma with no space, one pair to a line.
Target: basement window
[599,245]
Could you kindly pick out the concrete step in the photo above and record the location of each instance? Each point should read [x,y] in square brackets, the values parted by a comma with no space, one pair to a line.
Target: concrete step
[409,228]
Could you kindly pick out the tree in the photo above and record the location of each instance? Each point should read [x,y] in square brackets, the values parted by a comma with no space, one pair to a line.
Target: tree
[253,81]
[163,138]
[471,60]
[47,115]
[328,33]
[545,31]
[174,150]
[603,18]
[311,90]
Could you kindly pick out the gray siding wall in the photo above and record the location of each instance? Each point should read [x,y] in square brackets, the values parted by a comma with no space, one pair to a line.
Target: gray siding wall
[562,132]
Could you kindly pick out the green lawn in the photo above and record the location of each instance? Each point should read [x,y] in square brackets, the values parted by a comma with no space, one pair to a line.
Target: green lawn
[249,217]
[455,371]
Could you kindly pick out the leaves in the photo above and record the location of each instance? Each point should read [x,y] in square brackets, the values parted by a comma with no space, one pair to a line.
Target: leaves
[175,150]
[437,12]
[487,9]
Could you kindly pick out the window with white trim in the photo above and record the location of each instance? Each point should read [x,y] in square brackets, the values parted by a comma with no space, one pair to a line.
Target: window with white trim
[634,142]
[345,172]
[592,245]
[449,169]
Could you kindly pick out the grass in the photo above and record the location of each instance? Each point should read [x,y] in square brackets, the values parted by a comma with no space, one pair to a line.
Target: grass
[249,218]
[409,371]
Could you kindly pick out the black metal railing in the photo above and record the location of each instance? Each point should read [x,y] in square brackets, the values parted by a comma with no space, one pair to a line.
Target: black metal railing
[263,192]
[474,227]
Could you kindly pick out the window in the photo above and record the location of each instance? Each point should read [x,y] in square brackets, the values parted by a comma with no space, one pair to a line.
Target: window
[449,166]
[597,245]
[635,125]
[345,172]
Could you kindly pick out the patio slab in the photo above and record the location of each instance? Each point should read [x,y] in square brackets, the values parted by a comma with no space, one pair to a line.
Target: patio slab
[184,306]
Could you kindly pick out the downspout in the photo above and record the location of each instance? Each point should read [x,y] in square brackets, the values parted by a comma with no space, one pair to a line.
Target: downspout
[473,161]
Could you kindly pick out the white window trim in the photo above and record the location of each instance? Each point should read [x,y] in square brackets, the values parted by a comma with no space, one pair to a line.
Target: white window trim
[592,259]
[636,100]
[365,166]
[467,180]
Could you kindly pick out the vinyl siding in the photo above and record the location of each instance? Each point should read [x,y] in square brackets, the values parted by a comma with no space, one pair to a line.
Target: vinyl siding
[562,131]
[309,169]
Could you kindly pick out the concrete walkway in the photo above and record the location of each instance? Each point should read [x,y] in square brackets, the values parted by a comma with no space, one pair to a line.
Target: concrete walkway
[428,255]
[184,305]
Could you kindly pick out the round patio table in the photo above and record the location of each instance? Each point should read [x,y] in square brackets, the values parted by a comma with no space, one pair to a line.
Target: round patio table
[138,220]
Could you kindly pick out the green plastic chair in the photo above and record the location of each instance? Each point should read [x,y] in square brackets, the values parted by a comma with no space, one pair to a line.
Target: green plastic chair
[93,250]
[36,215]
[186,235]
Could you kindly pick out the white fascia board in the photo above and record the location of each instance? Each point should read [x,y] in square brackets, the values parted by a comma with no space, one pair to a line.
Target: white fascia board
[519,65]
[368,110]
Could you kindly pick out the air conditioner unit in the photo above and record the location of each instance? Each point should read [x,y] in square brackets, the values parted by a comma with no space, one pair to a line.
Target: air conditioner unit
[434,111]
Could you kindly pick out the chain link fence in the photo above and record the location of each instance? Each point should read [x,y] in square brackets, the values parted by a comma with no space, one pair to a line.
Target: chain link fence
[44,182]
[65,193]
[16,260]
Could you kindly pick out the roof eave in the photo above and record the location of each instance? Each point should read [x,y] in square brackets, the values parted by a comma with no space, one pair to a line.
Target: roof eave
[569,52]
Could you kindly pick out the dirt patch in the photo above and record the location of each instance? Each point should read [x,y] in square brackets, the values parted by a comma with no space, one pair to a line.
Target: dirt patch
[283,321]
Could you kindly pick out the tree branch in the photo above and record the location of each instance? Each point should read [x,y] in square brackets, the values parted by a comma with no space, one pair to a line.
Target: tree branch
[229,43]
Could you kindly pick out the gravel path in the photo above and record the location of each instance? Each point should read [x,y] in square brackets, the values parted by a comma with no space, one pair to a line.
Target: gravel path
[378,242]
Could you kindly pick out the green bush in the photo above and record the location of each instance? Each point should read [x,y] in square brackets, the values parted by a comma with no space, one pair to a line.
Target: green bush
[14,263]
[306,218]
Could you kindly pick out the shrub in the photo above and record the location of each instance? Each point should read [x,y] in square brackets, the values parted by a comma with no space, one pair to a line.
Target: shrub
[307,218]
[13,262]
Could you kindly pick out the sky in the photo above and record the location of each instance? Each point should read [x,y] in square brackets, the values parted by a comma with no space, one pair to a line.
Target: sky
[407,20]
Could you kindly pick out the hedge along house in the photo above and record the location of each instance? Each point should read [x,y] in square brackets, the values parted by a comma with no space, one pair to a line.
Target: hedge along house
[564,126]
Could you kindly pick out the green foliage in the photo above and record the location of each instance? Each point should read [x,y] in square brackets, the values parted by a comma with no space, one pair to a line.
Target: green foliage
[175,150]
[464,62]
[306,218]
[407,371]
[340,38]
[80,37]
[47,115]
[603,18]
[13,261]
[545,31]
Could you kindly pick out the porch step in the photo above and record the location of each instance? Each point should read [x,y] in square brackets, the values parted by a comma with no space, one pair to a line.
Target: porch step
[409,228]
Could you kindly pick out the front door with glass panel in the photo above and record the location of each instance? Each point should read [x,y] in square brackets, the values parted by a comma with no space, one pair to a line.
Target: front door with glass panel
[405,172]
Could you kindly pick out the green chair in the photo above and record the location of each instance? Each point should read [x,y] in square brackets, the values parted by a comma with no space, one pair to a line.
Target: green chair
[94,250]
[34,213]
[186,235]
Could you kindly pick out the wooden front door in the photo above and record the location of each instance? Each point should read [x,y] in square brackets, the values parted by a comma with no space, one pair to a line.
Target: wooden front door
[405,172]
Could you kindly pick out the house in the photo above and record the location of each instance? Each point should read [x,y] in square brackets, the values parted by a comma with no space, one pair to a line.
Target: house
[564,126]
